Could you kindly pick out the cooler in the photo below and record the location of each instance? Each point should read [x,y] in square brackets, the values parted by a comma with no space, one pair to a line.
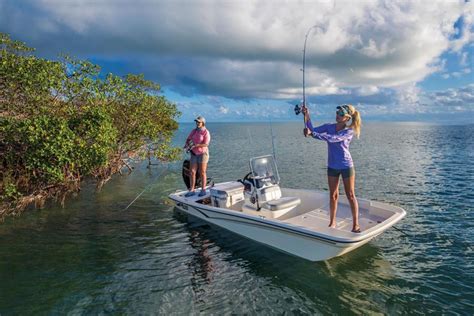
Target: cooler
[227,194]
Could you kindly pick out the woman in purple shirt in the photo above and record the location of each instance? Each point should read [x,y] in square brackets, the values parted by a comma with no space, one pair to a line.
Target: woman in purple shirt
[338,137]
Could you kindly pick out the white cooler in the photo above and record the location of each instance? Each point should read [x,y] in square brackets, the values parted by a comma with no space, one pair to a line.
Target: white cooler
[227,194]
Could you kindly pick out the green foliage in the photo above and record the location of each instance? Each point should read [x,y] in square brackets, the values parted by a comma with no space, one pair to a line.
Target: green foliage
[10,191]
[49,144]
[61,122]
[95,139]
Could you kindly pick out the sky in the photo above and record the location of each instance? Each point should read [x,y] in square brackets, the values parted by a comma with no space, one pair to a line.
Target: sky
[234,60]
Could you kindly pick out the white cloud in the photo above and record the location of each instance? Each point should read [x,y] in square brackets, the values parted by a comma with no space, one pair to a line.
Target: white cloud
[461,99]
[369,43]
[408,99]
[252,49]
[224,110]
[465,34]
[367,90]
[463,59]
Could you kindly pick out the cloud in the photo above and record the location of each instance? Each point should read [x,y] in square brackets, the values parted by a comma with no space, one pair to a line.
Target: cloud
[367,90]
[404,103]
[232,60]
[252,49]
[223,109]
[463,59]
[462,99]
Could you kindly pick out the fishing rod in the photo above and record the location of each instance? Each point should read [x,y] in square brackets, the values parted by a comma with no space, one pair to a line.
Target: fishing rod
[298,109]
[273,138]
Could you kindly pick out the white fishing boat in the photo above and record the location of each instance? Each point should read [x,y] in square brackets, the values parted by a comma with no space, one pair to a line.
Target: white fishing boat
[294,221]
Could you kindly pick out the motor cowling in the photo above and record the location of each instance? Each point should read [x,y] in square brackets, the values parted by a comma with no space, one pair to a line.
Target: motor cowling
[186,173]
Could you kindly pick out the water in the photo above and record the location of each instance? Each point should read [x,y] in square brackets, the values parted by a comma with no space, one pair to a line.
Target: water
[94,257]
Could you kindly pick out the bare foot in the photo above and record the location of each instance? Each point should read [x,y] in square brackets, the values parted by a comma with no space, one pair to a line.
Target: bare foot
[332,225]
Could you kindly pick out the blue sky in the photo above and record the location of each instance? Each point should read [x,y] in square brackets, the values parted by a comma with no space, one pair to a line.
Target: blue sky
[240,60]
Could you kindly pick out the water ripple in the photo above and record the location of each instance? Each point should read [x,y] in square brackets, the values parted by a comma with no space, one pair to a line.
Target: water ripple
[94,257]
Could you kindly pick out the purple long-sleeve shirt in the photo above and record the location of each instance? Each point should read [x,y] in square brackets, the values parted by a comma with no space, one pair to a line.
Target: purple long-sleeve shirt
[339,156]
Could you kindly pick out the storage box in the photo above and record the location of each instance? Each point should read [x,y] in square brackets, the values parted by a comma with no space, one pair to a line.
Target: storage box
[227,194]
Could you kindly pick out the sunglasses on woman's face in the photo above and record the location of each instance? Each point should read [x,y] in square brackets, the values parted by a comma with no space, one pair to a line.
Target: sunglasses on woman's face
[340,113]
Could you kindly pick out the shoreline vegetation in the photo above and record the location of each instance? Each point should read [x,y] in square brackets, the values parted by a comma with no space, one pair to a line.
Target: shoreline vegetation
[62,122]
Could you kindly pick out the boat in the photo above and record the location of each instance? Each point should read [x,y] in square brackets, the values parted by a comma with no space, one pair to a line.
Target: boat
[294,221]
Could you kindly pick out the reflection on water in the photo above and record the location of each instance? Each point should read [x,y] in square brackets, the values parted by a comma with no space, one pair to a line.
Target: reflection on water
[95,257]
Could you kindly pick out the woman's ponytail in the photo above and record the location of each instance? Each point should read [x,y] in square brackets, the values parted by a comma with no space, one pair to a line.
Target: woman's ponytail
[356,121]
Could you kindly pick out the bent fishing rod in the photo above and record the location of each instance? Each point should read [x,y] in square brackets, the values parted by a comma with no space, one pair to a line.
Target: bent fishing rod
[299,109]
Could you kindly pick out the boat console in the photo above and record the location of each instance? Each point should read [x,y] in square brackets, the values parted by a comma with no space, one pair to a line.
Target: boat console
[262,194]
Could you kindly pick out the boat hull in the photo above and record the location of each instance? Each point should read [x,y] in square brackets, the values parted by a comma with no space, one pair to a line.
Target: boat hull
[268,232]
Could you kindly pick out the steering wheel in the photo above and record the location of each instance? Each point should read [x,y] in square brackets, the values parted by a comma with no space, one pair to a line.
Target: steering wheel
[247,176]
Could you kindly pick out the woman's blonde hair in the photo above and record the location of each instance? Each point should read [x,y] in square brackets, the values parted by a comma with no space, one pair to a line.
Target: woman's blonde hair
[356,120]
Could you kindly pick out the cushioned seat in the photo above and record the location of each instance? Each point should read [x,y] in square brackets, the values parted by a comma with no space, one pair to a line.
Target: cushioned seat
[282,203]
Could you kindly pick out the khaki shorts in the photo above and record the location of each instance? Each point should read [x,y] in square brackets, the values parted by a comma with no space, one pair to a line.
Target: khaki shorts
[204,158]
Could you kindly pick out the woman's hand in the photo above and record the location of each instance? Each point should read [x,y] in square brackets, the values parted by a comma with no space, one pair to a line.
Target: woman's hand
[305,110]
[306,132]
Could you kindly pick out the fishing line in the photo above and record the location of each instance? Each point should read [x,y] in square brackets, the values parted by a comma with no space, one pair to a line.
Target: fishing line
[401,231]
[146,188]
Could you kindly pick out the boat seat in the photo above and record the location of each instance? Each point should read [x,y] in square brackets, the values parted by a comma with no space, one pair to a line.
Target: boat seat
[282,203]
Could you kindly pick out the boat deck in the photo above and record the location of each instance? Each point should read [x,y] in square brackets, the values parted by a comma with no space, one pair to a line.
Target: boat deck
[318,220]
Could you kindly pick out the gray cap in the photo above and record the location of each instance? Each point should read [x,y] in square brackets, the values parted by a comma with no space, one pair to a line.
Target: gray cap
[200,118]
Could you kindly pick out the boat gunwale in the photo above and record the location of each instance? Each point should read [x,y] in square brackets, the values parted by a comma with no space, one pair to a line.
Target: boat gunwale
[390,221]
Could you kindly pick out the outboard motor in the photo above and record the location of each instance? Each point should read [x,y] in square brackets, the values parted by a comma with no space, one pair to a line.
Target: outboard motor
[186,172]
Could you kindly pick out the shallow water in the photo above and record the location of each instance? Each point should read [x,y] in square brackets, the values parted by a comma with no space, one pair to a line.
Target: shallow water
[96,257]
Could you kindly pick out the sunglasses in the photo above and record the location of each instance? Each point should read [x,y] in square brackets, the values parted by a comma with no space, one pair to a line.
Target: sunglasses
[341,113]
[343,110]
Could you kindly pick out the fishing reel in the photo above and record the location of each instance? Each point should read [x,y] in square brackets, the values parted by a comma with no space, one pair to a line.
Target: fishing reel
[298,109]
[189,146]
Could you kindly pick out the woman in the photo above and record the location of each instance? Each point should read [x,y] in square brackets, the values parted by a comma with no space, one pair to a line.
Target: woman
[338,137]
[198,144]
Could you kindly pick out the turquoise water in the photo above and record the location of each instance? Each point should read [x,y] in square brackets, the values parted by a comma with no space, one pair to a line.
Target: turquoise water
[96,257]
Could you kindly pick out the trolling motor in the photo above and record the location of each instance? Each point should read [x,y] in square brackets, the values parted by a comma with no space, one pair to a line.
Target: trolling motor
[186,173]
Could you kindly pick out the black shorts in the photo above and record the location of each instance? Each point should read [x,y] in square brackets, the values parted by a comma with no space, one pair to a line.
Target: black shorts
[346,173]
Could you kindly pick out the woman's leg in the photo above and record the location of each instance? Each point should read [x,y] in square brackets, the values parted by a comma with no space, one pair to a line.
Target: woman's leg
[202,170]
[194,167]
[349,187]
[333,183]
